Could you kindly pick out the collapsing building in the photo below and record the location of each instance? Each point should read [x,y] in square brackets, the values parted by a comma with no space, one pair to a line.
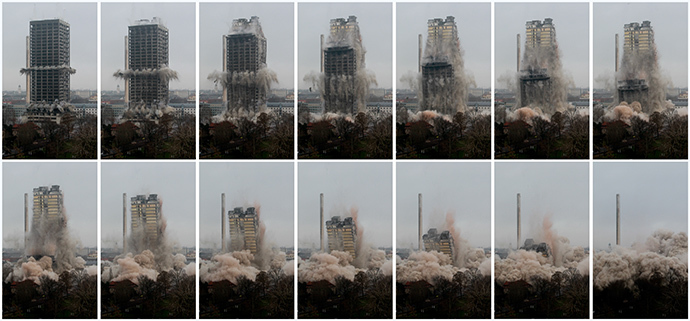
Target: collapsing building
[535,77]
[638,51]
[48,71]
[48,222]
[244,229]
[244,57]
[443,242]
[444,85]
[146,215]
[342,59]
[342,235]
[147,74]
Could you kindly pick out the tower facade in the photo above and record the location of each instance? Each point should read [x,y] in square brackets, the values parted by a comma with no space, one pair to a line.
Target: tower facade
[638,38]
[48,206]
[342,235]
[245,54]
[540,34]
[146,213]
[48,61]
[443,242]
[147,53]
[342,59]
[244,229]
[438,71]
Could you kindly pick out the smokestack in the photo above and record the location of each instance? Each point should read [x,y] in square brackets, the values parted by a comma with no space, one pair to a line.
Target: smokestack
[618,218]
[321,211]
[26,219]
[419,58]
[222,221]
[518,221]
[420,221]
[225,89]
[124,223]
[321,72]
[518,61]
[28,74]
[126,67]
[616,52]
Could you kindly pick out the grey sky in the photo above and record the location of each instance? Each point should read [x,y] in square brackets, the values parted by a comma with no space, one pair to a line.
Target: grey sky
[375,25]
[277,21]
[82,18]
[474,30]
[367,186]
[669,21]
[653,196]
[77,181]
[572,33]
[462,188]
[175,184]
[246,184]
[179,18]
[557,189]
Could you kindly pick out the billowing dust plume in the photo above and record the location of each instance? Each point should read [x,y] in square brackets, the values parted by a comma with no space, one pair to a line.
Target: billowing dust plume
[662,259]
[532,265]
[429,265]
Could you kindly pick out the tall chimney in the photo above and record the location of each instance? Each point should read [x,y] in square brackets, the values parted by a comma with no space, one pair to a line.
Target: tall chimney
[419,54]
[126,67]
[26,220]
[618,219]
[518,221]
[420,222]
[518,56]
[322,58]
[124,223]
[225,89]
[222,222]
[321,226]
[28,75]
[616,52]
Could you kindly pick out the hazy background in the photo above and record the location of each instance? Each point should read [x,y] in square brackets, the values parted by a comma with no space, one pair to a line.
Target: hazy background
[652,196]
[366,186]
[179,18]
[83,40]
[78,183]
[460,188]
[375,25]
[557,189]
[175,184]
[270,185]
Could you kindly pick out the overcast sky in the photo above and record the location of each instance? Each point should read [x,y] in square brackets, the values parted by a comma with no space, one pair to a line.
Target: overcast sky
[277,20]
[179,18]
[557,189]
[652,196]
[572,33]
[669,21]
[375,25]
[83,40]
[270,185]
[78,184]
[366,186]
[175,184]
[474,31]
[460,188]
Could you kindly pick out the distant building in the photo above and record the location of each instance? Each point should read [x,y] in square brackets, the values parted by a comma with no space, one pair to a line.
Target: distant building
[341,62]
[244,53]
[342,235]
[48,205]
[244,229]
[638,42]
[438,69]
[146,214]
[444,243]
